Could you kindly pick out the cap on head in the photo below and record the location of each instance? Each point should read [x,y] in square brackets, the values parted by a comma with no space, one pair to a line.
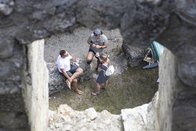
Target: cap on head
[97,32]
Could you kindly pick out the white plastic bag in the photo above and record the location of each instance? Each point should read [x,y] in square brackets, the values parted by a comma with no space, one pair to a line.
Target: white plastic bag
[110,70]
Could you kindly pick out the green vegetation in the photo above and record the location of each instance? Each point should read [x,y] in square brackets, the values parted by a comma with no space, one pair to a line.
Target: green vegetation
[132,88]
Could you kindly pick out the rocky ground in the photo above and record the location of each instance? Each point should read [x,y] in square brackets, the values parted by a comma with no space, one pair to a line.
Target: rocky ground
[141,118]
[128,87]
[76,43]
[65,118]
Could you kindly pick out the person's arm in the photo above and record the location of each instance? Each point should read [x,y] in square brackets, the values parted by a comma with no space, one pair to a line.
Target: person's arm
[70,56]
[73,58]
[101,46]
[90,42]
[65,74]
[104,42]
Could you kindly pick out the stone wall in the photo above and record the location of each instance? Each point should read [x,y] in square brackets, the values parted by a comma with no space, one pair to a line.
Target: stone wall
[65,118]
[12,111]
[24,88]
[167,90]
[178,75]
[36,92]
[140,21]
[176,108]
[171,22]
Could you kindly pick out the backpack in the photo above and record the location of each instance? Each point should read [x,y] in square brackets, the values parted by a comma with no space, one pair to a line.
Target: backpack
[110,70]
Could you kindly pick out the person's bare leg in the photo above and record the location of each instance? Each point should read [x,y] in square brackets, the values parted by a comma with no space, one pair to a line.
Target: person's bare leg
[103,86]
[78,72]
[89,57]
[98,63]
[97,89]
[75,87]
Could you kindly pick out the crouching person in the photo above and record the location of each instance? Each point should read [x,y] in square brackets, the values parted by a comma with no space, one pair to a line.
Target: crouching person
[102,77]
[70,71]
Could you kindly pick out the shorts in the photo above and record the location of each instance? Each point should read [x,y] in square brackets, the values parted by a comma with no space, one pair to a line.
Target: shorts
[73,69]
[102,78]
[90,50]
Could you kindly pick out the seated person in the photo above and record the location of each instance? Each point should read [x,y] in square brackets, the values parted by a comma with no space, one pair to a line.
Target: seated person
[70,71]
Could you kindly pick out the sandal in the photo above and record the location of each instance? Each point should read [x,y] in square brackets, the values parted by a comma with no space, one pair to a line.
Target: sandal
[68,84]
[79,92]
[94,93]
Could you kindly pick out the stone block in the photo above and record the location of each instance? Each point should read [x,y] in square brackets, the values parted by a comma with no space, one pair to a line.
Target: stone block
[11,102]
[57,80]
[13,121]
[6,47]
[134,54]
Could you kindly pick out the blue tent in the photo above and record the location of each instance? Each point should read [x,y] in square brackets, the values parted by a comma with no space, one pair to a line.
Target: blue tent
[157,50]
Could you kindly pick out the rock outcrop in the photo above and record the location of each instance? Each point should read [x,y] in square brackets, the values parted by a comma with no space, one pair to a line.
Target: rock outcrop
[171,22]
[141,118]
[57,81]
[35,94]
[68,119]
[76,45]
[28,21]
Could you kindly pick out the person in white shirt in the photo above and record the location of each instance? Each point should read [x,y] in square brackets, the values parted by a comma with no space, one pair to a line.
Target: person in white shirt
[70,71]
[97,42]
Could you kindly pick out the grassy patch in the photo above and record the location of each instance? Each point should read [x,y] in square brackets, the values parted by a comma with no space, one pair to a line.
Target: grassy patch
[132,88]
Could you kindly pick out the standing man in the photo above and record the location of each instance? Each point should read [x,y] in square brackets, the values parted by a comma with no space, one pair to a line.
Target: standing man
[97,42]
[70,71]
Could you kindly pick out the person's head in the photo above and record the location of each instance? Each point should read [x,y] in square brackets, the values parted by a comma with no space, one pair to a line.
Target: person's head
[63,53]
[97,32]
[103,57]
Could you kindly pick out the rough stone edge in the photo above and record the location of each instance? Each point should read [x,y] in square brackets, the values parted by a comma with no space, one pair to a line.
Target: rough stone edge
[35,93]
